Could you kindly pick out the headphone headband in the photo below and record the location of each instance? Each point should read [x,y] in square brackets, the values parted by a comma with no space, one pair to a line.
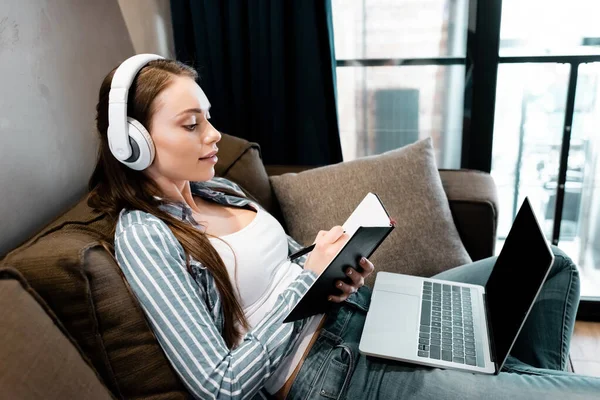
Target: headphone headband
[118,128]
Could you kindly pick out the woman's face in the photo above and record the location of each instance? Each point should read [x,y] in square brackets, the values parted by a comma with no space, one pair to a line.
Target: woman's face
[182,135]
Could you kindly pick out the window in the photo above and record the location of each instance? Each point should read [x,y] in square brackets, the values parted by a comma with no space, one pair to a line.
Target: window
[530,113]
[383,105]
[539,27]
[540,69]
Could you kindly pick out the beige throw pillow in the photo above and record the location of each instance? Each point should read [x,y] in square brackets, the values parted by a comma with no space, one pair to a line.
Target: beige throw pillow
[425,241]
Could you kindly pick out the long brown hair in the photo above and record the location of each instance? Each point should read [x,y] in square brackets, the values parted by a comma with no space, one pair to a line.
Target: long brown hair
[114,187]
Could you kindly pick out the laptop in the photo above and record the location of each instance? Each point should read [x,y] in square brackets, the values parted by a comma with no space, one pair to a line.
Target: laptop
[460,326]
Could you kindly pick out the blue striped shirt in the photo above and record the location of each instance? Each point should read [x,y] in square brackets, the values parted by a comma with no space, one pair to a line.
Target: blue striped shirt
[185,311]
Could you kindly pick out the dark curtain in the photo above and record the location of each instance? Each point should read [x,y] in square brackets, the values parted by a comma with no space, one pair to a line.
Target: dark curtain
[268,69]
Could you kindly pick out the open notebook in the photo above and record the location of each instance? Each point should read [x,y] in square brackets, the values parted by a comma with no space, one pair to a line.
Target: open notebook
[368,226]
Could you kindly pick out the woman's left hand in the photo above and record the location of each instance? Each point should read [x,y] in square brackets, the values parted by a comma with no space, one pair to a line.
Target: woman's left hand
[358,280]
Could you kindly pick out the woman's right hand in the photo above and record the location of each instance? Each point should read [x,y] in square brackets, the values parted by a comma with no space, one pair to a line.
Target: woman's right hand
[327,245]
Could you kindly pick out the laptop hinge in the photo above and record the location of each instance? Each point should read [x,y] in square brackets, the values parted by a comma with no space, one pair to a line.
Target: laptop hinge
[490,331]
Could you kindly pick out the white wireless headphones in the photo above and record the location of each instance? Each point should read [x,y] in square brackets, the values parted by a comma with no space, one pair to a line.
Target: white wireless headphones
[128,140]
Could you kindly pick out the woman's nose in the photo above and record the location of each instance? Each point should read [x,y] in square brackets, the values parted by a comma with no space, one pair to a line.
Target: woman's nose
[213,135]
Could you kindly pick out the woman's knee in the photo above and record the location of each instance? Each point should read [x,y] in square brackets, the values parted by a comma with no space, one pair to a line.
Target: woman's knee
[563,262]
[564,266]
[558,252]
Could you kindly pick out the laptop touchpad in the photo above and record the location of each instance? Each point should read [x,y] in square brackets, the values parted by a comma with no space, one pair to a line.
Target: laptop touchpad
[391,324]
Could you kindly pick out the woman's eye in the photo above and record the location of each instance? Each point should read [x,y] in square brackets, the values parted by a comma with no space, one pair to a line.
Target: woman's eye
[190,127]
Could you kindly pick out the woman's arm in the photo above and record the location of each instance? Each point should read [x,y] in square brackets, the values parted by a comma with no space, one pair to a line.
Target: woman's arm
[154,266]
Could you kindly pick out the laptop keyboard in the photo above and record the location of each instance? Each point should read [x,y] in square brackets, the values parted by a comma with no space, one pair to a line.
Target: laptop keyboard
[446,329]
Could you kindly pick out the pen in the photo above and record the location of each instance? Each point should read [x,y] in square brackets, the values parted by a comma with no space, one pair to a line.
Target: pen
[301,252]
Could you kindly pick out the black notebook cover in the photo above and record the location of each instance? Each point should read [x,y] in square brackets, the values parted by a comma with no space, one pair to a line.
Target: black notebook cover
[362,244]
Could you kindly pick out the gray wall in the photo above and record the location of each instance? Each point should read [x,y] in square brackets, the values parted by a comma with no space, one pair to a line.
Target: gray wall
[53,56]
[149,25]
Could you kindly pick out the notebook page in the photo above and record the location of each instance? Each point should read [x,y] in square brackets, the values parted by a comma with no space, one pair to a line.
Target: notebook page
[369,212]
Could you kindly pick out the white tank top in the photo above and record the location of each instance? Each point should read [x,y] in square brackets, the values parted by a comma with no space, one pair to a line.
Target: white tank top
[263,272]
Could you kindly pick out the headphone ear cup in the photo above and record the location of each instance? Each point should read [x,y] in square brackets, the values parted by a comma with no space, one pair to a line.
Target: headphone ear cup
[145,146]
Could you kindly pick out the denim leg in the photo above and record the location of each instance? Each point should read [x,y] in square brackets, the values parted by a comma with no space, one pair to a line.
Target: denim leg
[546,335]
[382,379]
[545,339]
[330,363]
[334,369]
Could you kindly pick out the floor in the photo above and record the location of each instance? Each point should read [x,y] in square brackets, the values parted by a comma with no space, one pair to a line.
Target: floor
[585,348]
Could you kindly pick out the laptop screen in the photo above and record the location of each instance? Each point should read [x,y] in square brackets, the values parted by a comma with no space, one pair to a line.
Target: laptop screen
[520,271]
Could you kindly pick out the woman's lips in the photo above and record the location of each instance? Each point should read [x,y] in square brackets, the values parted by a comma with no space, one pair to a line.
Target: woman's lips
[210,155]
[211,158]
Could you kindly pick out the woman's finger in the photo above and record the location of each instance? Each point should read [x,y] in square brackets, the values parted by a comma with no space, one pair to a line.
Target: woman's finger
[345,288]
[367,267]
[334,234]
[319,236]
[357,277]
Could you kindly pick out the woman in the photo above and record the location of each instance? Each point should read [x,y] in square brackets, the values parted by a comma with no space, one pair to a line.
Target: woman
[209,267]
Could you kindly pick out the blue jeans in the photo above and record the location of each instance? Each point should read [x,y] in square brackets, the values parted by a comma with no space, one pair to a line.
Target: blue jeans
[535,369]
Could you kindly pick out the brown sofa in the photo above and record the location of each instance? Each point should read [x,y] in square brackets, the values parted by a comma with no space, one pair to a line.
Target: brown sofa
[75,281]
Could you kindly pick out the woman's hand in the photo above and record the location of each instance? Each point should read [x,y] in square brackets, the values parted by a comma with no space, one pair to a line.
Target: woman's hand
[327,245]
[358,280]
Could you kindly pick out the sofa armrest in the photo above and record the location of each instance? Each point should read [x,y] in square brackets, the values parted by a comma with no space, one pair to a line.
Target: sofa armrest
[474,204]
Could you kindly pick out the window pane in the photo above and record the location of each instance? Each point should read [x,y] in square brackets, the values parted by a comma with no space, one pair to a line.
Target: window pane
[530,103]
[383,108]
[399,28]
[580,227]
[537,27]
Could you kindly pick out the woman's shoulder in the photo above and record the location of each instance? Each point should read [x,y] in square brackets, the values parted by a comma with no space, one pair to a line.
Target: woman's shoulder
[132,219]
[138,229]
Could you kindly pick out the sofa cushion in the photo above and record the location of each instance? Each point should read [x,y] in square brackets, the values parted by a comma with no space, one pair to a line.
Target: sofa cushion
[67,266]
[38,358]
[425,240]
